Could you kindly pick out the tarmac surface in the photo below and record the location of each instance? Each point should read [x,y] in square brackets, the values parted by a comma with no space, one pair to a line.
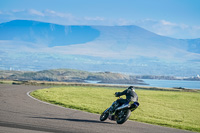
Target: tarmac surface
[19,113]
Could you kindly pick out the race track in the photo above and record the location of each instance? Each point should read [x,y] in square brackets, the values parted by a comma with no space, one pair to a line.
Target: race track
[19,113]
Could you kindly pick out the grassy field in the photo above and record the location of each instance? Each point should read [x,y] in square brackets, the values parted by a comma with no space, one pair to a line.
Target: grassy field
[167,108]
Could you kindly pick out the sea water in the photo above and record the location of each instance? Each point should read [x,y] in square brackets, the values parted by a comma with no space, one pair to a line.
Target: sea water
[164,83]
[172,83]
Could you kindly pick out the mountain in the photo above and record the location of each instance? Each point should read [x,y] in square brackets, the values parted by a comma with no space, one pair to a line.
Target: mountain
[46,33]
[194,45]
[33,45]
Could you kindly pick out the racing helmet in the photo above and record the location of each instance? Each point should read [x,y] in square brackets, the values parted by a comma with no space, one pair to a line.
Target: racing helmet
[131,88]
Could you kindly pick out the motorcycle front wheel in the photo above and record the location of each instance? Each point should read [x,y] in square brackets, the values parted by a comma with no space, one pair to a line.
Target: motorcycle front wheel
[123,116]
[104,115]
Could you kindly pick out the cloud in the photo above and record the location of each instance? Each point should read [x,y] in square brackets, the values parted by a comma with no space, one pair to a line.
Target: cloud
[171,29]
[35,12]
[32,14]
[52,13]
[167,23]
[122,21]
[94,18]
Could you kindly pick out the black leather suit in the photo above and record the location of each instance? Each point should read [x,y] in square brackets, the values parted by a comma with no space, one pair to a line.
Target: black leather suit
[130,96]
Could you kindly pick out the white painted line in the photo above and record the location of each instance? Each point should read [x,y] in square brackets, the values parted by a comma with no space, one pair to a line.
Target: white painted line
[28,94]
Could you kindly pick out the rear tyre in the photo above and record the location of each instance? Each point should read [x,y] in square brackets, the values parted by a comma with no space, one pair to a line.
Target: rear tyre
[104,115]
[124,115]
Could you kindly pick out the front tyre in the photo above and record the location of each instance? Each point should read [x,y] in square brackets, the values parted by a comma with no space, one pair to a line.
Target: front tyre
[104,115]
[123,116]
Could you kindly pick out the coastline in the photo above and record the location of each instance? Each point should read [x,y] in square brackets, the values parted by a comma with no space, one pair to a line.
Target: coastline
[53,83]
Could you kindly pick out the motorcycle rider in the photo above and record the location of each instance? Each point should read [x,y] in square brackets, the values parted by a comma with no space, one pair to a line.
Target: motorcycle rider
[130,96]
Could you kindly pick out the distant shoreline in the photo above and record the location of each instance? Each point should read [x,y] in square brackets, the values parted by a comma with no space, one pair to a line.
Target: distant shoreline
[53,83]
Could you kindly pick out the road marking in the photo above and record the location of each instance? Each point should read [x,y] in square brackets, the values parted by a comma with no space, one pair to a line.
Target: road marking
[28,94]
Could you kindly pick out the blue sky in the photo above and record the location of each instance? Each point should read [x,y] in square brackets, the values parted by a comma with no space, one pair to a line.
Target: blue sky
[173,18]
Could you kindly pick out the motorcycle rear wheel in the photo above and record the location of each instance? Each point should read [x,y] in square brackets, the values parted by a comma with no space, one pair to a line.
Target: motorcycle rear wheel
[124,117]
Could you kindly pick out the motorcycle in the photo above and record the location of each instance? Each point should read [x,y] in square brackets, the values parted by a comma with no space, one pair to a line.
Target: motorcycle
[119,114]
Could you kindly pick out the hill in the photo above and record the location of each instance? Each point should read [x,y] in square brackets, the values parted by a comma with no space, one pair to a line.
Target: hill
[70,75]
[46,34]
[33,45]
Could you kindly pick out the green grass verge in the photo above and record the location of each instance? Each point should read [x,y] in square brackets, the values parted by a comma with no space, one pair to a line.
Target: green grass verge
[167,108]
[6,82]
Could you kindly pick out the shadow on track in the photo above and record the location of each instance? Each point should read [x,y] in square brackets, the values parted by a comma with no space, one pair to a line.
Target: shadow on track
[75,120]
[28,127]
